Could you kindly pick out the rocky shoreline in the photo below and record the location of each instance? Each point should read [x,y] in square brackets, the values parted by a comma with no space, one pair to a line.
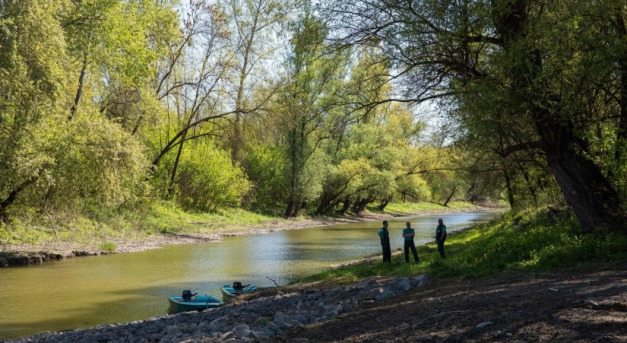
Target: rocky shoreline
[264,316]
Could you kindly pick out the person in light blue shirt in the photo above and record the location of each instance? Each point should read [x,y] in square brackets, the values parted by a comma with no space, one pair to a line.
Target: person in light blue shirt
[440,237]
[384,234]
[408,234]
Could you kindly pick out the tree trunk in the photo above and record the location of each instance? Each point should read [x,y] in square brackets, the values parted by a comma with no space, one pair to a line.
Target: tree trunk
[79,90]
[510,189]
[176,165]
[450,196]
[530,186]
[589,193]
[384,203]
[4,204]
[621,139]
[586,190]
[345,206]
[290,207]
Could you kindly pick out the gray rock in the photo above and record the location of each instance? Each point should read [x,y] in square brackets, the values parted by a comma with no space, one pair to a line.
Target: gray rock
[299,305]
[203,327]
[483,325]
[218,325]
[261,334]
[272,327]
[332,311]
[346,307]
[368,283]
[172,330]
[403,285]
[227,335]
[419,280]
[385,295]
[241,330]
[279,318]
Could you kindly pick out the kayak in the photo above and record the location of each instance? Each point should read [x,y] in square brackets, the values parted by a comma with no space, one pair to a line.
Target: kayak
[197,303]
[228,292]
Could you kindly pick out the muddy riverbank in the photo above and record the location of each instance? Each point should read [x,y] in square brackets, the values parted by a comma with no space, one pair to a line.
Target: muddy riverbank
[29,254]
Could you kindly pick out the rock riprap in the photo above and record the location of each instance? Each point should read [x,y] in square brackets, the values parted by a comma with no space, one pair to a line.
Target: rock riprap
[253,320]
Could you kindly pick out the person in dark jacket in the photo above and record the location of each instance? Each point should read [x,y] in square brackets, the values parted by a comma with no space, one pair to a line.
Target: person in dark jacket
[384,234]
[408,234]
[440,237]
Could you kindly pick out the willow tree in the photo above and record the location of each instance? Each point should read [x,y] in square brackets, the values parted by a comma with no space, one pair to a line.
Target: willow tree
[31,89]
[314,77]
[537,56]
[253,29]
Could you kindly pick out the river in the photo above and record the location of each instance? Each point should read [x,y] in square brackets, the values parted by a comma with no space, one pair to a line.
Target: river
[88,291]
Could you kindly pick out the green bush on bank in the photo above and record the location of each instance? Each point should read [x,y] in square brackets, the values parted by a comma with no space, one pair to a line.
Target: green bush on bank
[514,242]
[423,206]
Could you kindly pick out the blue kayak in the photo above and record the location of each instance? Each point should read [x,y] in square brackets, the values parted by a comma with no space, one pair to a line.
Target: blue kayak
[229,292]
[197,303]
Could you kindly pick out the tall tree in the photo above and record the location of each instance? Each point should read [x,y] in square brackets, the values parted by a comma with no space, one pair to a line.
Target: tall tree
[449,49]
[314,75]
[255,26]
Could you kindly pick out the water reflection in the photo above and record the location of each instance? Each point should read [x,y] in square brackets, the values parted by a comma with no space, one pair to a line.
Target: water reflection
[87,291]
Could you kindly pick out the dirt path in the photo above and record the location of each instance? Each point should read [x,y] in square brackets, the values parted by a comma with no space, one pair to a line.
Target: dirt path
[575,306]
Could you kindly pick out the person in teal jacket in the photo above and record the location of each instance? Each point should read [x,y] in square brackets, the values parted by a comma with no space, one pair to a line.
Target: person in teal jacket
[384,234]
[408,234]
[440,237]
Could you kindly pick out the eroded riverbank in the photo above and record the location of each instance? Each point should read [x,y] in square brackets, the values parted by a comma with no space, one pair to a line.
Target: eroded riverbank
[28,254]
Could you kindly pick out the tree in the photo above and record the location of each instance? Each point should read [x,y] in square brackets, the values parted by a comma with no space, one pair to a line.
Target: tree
[449,50]
[32,51]
[305,103]
[253,30]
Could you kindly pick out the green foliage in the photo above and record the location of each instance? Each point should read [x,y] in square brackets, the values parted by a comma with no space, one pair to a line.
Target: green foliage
[515,242]
[265,167]
[421,207]
[207,180]
[96,161]
[108,246]
[518,242]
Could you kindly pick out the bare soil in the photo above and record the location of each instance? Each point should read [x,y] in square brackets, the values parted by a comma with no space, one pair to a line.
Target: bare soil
[567,306]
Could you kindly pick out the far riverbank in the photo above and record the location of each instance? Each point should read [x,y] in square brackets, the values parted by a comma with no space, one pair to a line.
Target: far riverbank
[200,232]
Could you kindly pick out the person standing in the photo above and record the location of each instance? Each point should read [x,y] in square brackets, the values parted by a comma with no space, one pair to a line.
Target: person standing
[409,234]
[440,237]
[384,234]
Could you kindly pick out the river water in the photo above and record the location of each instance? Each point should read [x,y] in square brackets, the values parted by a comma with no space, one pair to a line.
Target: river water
[88,291]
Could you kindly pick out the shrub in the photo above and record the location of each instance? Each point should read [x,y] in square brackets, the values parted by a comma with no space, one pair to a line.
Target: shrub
[207,180]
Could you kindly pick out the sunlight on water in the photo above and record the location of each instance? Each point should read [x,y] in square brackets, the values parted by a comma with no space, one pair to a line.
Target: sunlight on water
[87,291]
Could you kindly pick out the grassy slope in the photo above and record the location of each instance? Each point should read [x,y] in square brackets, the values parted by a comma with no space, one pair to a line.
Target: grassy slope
[158,218]
[515,242]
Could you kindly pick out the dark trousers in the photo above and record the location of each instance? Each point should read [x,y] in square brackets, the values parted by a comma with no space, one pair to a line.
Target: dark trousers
[387,253]
[441,247]
[410,245]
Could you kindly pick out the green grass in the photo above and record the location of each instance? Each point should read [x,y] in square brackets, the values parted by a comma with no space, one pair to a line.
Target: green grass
[141,221]
[515,242]
[108,246]
[167,218]
[423,206]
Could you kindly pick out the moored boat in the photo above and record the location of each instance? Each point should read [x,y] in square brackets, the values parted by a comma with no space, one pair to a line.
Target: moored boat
[197,303]
[229,292]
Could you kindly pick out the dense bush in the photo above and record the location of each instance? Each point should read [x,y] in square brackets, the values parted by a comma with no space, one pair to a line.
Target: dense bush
[207,179]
